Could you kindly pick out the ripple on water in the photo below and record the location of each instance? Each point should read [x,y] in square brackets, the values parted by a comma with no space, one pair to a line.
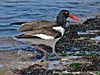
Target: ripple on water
[8,32]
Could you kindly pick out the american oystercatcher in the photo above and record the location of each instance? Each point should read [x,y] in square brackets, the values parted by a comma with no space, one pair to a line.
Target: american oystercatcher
[45,32]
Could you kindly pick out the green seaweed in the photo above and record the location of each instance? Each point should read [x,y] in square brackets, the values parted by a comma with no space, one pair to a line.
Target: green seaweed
[75,66]
[98,73]
[64,74]
[63,54]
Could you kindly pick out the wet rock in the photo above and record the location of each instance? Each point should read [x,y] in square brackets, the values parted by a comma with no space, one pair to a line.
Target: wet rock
[91,24]
[49,72]
[81,65]
[72,35]
[91,64]
[35,69]
[81,44]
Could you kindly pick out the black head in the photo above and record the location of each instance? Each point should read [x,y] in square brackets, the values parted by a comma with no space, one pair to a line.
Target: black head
[62,17]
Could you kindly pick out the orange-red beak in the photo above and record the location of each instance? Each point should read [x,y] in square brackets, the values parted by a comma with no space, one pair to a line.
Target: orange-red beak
[74,17]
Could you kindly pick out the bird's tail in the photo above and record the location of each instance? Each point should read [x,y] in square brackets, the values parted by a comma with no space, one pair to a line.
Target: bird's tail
[17,23]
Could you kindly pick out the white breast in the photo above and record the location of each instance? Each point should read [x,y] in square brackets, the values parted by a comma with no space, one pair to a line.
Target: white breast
[60,29]
[44,36]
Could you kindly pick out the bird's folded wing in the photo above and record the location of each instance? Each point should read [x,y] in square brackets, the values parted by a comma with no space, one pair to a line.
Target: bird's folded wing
[44,33]
[37,24]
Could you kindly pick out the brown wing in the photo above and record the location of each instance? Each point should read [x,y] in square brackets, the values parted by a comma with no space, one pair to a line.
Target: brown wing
[37,24]
[46,31]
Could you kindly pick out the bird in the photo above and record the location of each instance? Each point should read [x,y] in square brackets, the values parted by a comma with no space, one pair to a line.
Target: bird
[43,31]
